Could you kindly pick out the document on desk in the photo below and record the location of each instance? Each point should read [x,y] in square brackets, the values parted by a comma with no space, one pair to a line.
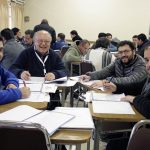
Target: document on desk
[51,120]
[35,87]
[106,97]
[82,119]
[35,80]
[112,107]
[49,88]
[36,97]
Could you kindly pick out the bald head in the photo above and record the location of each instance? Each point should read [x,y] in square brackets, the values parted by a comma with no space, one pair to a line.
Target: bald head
[42,40]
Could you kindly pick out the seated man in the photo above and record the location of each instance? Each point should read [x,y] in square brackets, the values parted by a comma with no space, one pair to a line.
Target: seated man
[76,53]
[127,71]
[9,81]
[140,102]
[40,61]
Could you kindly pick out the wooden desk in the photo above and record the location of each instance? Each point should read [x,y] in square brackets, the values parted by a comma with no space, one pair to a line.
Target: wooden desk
[72,137]
[62,136]
[98,117]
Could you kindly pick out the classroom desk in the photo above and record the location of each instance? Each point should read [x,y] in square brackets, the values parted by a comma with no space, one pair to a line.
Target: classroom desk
[62,136]
[98,117]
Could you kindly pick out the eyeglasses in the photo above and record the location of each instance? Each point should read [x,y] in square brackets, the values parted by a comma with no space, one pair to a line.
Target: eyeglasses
[125,52]
[47,42]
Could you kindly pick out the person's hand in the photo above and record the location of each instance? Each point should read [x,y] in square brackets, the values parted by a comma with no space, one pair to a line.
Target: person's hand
[109,86]
[128,98]
[25,91]
[11,86]
[97,84]
[84,78]
[49,76]
[25,75]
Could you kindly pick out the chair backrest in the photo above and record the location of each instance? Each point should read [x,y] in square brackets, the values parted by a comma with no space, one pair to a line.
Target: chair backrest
[86,67]
[23,136]
[140,136]
[64,50]
[100,58]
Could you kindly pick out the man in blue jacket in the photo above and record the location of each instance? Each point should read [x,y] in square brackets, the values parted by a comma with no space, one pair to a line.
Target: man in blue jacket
[40,61]
[10,82]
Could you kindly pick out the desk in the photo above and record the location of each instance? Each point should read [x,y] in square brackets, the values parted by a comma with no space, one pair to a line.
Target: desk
[62,136]
[111,117]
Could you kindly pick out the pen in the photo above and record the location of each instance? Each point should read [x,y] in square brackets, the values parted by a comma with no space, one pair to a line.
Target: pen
[110,79]
[24,83]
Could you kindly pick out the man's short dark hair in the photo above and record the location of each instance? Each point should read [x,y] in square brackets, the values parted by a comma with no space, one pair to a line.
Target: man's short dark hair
[108,34]
[83,42]
[7,34]
[134,36]
[30,32]
[74,32]
[61,36]
[129,43]
[15,30]
[142,37]
[101,34]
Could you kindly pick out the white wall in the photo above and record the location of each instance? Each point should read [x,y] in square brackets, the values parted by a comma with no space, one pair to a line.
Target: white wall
[122,18]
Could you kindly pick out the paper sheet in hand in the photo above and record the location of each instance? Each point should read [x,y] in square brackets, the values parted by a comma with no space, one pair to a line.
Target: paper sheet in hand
[82,118]
[36,97]
[63,79]
[107,97]
[110,107]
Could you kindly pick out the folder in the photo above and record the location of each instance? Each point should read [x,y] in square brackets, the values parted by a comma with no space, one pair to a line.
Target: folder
[51,120]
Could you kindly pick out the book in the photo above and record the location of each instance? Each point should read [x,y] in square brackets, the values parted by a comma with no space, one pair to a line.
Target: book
[51,120]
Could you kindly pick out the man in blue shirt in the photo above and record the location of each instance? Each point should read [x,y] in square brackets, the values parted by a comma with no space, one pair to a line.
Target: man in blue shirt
[9,81]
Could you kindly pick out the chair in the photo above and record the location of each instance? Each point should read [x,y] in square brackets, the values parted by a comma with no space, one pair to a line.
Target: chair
[140,136]
[23,136]
[64,50]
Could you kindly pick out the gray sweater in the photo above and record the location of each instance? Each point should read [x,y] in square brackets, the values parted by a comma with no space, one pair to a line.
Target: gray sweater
[129,76]
[11,51]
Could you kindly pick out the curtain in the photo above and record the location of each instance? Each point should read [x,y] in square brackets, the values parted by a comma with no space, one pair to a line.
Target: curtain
[4,16]
[17,15]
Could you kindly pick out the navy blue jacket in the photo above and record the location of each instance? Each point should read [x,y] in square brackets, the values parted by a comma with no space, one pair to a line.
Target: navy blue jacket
[28,61]
[8,95]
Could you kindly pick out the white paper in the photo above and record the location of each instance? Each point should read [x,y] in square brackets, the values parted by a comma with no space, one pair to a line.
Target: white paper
[33,80]
[49,88]
[68,83]
[110,107]
[33,87]
[36,97]
[107,97]
[88,83]
[75,78]
[63,79]
[19,113]
[82,118]
[51,120]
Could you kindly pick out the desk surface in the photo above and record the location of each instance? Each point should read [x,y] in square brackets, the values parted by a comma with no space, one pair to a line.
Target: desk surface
[116,117]
[37,105]
[61,136]
[69,136]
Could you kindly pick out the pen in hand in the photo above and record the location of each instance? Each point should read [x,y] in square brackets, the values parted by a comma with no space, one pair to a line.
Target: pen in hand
[110,79]
[24,83]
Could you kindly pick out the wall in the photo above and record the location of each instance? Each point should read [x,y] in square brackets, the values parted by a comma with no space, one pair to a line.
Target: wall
[122,18]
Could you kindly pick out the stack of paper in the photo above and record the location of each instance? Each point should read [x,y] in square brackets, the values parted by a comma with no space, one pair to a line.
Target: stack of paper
[106,97]
[51,120]
[82,119]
